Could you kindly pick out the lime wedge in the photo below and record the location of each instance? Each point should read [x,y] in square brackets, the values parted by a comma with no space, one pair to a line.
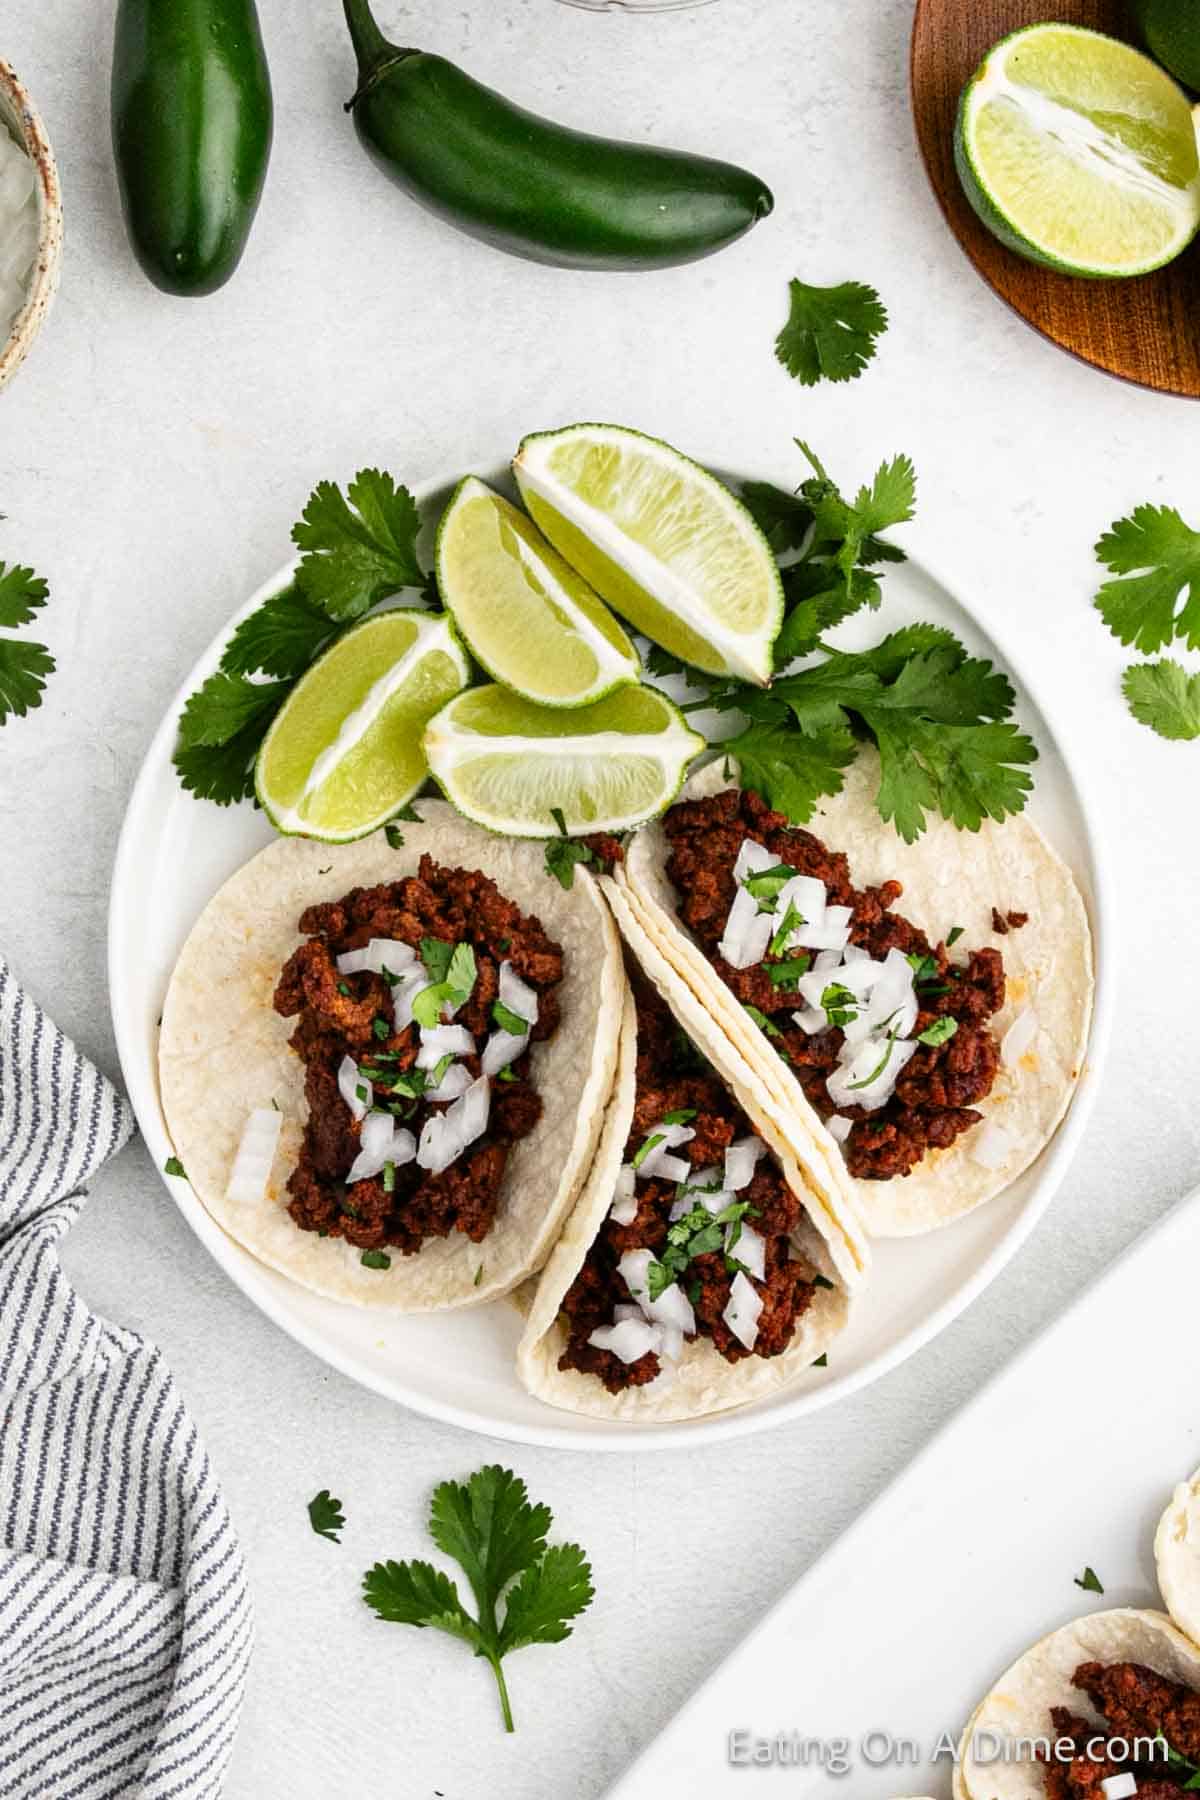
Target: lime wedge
[1079,152]
[511,765]
[661,540]
[528,617]
[344,752]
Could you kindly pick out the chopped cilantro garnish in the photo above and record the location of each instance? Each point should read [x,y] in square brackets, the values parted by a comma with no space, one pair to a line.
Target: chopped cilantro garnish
[682,1116]
[940,1032]
[697,1233]
[489,1527]
[643,1150]
[375,1259]
[822,1281]
[508,1020]
[326,1517]
[436,954]
[765,885]
[389,1177]
[508,1074]
[761,1020]
[394,836]
[381,1029]
[453,988]
[822,1361]
[953,935]
[173,1166]
[564,854]
[791,921]
[478,1276]
[787,974]
[880,1066]
[1090,1581]
[343,988]
[839,1004]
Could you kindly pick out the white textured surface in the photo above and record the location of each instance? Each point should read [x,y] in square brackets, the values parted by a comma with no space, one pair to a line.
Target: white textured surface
[152,457]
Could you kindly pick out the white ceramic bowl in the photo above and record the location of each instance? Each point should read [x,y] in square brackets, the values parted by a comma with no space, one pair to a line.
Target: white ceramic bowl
[18,113]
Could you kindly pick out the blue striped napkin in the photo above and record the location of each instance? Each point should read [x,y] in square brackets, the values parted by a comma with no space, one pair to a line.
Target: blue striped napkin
[125,1619]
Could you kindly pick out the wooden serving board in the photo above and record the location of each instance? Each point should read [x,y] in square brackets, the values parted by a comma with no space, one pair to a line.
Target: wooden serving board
[1147,329]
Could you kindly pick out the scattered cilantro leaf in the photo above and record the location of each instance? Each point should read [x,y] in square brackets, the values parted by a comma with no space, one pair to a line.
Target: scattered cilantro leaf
[21,594]
[1164,696]
[173,1166]
[822,1361]
[831,332]
[1089,1581]
[281,637]
[375,1259]
[508,1020]
[563,856]
[24,667]
[359,547]
[498,1538]
[940,1032]
[436,954]
[1155,559]
[325,1516]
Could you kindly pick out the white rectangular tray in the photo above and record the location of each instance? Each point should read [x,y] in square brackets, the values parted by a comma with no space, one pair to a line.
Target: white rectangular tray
[1066,1459]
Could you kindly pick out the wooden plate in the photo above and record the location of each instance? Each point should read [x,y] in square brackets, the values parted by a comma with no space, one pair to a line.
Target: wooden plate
[1147,329]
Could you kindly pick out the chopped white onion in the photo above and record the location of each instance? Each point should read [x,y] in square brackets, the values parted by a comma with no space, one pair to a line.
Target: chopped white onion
[255,1154]
[517,995]
[838,1128]
[403,995]
[454,1082]
[832,932]
[892,1006]
[354,1088]
[825,960]
[742,1313]
[856,1083]
[812,1019]
[382,1141]
[751,1249]
[625,1309]
[443,1040]
[1119,1787]
[629,1339]
[741,1160]
[807,896]
[380,954]
[672,1309]
[1019,1038]
[702,1187]
[624,1207]
[748,932]
[670,1340]
[658,1161]
[446,1135]
[990,1146]
[632,1269]
[501,1049]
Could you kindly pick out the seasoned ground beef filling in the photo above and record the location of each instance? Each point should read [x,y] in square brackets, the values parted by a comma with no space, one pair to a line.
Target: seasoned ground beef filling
[673,1077]
[352,1015]
[1137,1705]
[936,1094]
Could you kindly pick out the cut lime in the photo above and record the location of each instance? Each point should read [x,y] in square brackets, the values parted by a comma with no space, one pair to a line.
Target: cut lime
[1079,152]
[344,752]
[661,540]
[528,617]
[511,765]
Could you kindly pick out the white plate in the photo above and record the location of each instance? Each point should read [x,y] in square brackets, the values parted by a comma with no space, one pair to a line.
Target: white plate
[176,851]
[1065,1460]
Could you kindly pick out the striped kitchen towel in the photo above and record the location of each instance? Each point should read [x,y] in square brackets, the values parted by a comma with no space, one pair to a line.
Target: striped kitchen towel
[125,1620]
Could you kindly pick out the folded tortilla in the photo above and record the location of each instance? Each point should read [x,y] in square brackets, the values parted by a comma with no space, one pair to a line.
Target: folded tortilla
[950,877]
[223,1052]
[831,1239]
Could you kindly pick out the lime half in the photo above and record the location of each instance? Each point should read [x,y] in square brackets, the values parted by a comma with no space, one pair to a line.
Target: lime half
[661,540]
[511,765]
[528,617]
[344,752]
[1079,152]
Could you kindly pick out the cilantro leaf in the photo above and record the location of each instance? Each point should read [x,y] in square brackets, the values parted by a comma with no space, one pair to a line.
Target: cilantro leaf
[358,547]
[21,594]
[792,770]
[325,1516]
[1164,696]
[563,856]
[281,637]
[831,332]
[890,500]
[23,670]
[1155,558]
[436,954]
[225,705]
[967,773]
[488,1525]
[222,773]
[1089,1581]
[508,1020]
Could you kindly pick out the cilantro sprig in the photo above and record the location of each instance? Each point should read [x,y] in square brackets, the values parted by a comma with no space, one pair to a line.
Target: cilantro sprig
[698,1233]
[358,548]
[24,665]
[489,1527]
[831,332]
[1151,600]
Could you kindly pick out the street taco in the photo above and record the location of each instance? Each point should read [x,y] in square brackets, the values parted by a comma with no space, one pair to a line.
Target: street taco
[919,1012]
[1112,1696]
[384,1066]
[702,1267]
